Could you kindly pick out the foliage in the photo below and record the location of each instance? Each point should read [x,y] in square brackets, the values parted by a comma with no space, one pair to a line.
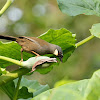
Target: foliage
[27,89]
[87,89]
[62,82]
[76,7]
[95,30]
[52,36]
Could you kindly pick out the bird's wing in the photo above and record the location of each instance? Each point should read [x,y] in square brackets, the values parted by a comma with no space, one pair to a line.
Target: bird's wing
[40,46]
[32,40]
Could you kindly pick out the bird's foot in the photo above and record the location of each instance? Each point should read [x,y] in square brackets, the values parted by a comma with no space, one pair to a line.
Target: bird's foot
[37,56]
[21,60]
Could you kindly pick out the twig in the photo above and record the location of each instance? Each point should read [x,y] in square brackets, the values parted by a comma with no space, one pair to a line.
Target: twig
[6,6]
[84,41]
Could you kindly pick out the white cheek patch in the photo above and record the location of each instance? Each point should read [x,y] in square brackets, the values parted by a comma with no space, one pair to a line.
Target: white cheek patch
[56,52]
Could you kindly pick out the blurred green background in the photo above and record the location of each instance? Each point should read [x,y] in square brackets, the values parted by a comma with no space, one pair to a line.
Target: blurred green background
[34,17]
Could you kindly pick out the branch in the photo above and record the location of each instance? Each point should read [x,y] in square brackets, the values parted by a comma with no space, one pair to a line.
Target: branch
[29,63]
[26,64]
[12,60]
[84,41]
[6,6]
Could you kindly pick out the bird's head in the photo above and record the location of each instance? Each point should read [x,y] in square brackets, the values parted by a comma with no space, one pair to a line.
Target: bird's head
[58,52]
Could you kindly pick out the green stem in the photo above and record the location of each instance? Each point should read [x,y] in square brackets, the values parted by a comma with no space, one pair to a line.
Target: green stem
[13,75]
[84,41]
[6,6]
[11,60]
[17,88]
[10,76]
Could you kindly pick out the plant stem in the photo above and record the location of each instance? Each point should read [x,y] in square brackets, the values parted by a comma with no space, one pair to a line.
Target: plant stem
[17,88]
[13,75]
[6,6]
[11,60]
[10,76]
[84,41]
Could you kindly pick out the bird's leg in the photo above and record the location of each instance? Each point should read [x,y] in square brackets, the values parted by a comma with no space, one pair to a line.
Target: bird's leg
[21,55]
[37,55]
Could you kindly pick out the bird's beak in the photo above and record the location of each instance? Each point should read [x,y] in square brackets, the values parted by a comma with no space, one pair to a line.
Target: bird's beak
[61,58]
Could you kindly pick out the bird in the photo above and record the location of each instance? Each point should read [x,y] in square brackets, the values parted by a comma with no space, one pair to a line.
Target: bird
[35,46]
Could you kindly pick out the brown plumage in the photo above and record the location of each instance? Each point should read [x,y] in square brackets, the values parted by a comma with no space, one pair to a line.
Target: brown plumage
[35,45]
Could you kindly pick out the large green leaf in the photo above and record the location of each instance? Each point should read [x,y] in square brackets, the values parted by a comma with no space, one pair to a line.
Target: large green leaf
[76,7]
[62,37]
[9,89]
[27,89]
[95,30]
[88,89]
[32,86]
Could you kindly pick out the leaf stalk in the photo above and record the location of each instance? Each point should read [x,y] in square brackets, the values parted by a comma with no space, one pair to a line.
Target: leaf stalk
[12,60]
[17,88]
[84,41]
[6,6]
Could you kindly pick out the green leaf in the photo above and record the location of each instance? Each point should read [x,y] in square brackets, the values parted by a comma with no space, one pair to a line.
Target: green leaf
[27,89]
[23,93]
[3,71]
[62,37]
[95,30]
[87,89]
[62,82]
[76,7]
[30,87]
[9,89]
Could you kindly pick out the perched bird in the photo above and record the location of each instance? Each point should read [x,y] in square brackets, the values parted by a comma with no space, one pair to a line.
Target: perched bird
[35,46]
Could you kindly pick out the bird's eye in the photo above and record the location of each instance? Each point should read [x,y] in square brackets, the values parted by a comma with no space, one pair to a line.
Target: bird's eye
[59,53]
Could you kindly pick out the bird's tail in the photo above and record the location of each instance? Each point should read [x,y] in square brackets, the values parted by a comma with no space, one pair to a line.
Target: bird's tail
[8,37]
